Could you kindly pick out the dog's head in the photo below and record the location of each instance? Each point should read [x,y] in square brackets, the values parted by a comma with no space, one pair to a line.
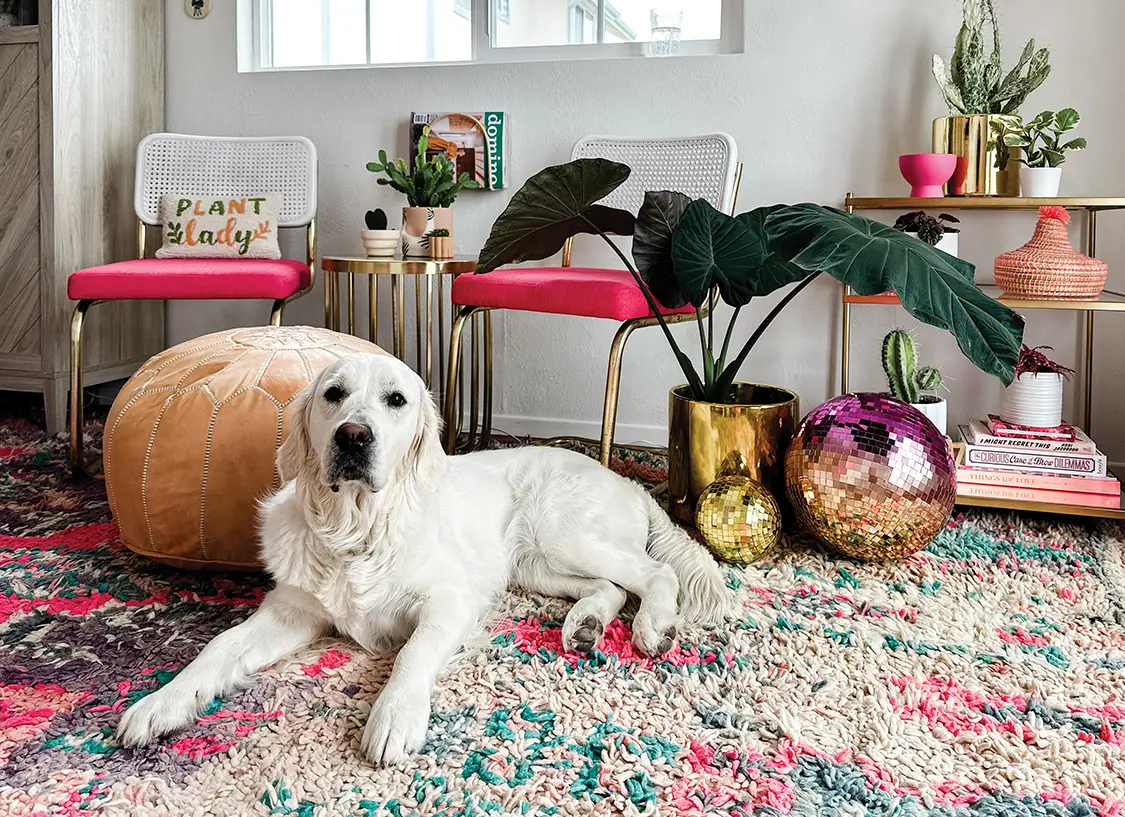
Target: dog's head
[367,420]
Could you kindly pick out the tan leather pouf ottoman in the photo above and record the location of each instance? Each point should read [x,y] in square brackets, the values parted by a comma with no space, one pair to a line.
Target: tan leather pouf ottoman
[191,440]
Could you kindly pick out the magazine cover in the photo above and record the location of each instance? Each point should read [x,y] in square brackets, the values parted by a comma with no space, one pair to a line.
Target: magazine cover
[477,142]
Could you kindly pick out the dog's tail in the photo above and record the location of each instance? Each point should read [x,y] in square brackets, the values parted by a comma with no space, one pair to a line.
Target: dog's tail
[703,591]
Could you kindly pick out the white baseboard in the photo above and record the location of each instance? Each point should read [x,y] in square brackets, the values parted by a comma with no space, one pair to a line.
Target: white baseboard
[545,427]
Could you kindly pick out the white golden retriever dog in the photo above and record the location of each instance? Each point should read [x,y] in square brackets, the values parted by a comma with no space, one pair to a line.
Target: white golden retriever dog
[378,535]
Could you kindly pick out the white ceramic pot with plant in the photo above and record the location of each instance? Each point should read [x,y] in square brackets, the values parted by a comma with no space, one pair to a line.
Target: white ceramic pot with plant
[909,382]
[377,240]
[1044,150]
[1035,397]
[430,185]
[937,232]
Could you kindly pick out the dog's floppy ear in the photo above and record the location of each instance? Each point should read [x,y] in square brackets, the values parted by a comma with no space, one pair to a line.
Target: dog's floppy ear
[296,452]
[426,457]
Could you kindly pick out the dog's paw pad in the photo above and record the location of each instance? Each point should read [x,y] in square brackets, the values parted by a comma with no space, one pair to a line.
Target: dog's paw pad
[667,639]
[587,634]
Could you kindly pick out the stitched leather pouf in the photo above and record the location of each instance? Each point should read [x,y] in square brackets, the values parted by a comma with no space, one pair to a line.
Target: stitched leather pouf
[191,441]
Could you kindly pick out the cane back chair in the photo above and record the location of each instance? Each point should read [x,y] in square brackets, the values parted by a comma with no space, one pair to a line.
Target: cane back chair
[704,166]
[220,166]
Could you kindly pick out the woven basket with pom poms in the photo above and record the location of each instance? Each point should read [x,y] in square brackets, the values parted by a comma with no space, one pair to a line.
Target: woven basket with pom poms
[1048,267]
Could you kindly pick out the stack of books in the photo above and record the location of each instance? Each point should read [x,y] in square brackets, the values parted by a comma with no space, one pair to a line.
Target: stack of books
[1060,465]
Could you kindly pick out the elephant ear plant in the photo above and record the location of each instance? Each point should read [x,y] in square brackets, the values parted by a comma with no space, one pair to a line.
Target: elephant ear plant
[684,250]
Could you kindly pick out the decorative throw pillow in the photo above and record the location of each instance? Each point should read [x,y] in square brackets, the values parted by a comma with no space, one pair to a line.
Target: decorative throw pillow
[209,227]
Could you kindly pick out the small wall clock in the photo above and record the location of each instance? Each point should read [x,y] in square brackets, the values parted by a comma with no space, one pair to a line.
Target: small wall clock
[197,9]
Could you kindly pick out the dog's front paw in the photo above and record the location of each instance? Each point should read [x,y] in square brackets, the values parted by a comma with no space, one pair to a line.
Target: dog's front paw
[396,728]
[154,716]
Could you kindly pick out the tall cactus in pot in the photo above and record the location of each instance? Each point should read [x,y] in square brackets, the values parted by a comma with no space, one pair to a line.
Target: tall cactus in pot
[907,380]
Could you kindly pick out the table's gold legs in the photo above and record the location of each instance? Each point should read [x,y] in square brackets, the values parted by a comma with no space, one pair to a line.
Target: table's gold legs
[372,308]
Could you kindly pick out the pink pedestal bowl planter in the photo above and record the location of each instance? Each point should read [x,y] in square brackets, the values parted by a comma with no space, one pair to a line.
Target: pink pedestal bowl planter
[927,172]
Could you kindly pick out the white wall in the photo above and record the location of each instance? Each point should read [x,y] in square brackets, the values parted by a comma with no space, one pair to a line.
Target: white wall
[827,96]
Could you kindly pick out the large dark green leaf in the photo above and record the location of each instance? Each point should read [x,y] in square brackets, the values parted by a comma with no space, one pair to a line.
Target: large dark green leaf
[775,271]
[713,249]
[555,204]
[652,245]
[934,287]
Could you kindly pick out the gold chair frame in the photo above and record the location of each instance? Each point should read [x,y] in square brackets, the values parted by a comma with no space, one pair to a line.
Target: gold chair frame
[613,370]
[77,409]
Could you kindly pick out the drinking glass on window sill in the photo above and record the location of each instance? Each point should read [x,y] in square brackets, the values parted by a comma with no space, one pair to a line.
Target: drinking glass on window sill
[667,24]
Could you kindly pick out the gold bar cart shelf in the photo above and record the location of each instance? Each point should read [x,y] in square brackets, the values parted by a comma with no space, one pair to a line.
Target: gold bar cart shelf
[1108,301]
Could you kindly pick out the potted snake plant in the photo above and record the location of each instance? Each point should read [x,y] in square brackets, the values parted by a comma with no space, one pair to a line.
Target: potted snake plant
[686,251]
[431,185]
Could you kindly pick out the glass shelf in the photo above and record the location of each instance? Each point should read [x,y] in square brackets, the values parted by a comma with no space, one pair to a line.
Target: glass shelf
[982,203]
[1106,302]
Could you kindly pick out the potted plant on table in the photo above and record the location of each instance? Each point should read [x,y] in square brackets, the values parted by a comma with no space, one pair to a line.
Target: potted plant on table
[685,251]
[911,383]
[937,232]
[430,186]
[978,91]
[378,241]
[441,244]
[1034,398]
[1041,173]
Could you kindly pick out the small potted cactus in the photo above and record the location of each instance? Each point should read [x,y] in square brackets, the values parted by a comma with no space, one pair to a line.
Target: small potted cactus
[909,382]
[441,243]
[378,241]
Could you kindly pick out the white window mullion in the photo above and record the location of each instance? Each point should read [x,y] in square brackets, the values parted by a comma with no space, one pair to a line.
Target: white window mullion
[599,23]
[367,32]
[480,18]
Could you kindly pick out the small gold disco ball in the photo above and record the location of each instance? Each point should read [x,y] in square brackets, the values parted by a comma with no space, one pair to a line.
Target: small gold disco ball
[739,519]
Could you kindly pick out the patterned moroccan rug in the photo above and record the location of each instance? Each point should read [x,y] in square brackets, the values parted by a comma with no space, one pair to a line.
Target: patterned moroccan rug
[984,676]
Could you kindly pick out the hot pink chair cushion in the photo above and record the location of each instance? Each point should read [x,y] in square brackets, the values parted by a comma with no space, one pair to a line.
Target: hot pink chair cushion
[158,279]
[579,291]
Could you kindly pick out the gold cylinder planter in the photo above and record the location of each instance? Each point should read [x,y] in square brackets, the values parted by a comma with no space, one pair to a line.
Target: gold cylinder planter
[970,138]
[710,440]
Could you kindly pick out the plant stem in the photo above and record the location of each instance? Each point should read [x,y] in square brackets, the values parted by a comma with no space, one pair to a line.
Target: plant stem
[685,364]
[728,374]
[708,357]
[726,340]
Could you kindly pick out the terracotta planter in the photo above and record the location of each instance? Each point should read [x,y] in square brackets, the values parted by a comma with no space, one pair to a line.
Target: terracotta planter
[418,223]
[710,440]
[441,246]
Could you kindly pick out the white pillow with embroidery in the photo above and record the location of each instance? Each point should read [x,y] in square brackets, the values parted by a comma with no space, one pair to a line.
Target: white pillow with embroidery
[213,227]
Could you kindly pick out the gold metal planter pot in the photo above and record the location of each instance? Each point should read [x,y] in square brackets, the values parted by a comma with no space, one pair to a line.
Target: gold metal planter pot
[970,137]
[710,440]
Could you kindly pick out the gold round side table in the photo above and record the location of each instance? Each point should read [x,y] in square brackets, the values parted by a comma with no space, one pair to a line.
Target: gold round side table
[427,277]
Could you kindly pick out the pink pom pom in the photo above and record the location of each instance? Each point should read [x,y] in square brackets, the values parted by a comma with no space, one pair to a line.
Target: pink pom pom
[1057,213]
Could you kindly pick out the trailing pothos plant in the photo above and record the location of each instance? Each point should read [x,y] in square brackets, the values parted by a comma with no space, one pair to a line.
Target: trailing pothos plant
[685,250]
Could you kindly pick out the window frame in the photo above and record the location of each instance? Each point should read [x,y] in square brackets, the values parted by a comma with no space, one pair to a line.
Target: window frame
[255,43]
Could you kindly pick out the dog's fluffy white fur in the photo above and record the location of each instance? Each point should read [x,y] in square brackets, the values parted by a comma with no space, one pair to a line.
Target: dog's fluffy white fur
[391,542]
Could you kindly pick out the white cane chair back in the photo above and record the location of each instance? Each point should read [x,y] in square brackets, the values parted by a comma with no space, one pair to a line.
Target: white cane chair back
[221,166]
[702,167]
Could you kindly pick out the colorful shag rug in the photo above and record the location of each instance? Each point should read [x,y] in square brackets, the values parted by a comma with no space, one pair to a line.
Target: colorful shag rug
[984,676]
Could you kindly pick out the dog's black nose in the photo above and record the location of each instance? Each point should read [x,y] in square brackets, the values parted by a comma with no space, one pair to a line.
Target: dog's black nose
[353,437]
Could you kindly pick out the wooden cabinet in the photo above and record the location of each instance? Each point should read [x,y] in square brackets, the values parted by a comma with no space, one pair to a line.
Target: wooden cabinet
[77,92]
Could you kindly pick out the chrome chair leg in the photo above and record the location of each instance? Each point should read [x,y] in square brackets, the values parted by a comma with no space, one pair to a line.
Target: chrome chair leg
[74,447]
[613,389]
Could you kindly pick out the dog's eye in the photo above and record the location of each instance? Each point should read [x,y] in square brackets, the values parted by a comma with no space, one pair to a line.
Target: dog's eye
[334,394]
[395,399]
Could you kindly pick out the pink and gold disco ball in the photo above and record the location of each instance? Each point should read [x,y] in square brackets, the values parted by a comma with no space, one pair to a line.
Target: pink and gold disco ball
[871,476]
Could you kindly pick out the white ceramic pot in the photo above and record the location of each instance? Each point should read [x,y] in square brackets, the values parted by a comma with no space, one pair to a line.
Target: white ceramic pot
[379,243]
[948,243]
[418,223]
[1033,400]
[1040,182]
[935,410]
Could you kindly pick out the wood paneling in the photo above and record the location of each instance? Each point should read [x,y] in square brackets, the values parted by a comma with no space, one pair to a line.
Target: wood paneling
[77,92]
